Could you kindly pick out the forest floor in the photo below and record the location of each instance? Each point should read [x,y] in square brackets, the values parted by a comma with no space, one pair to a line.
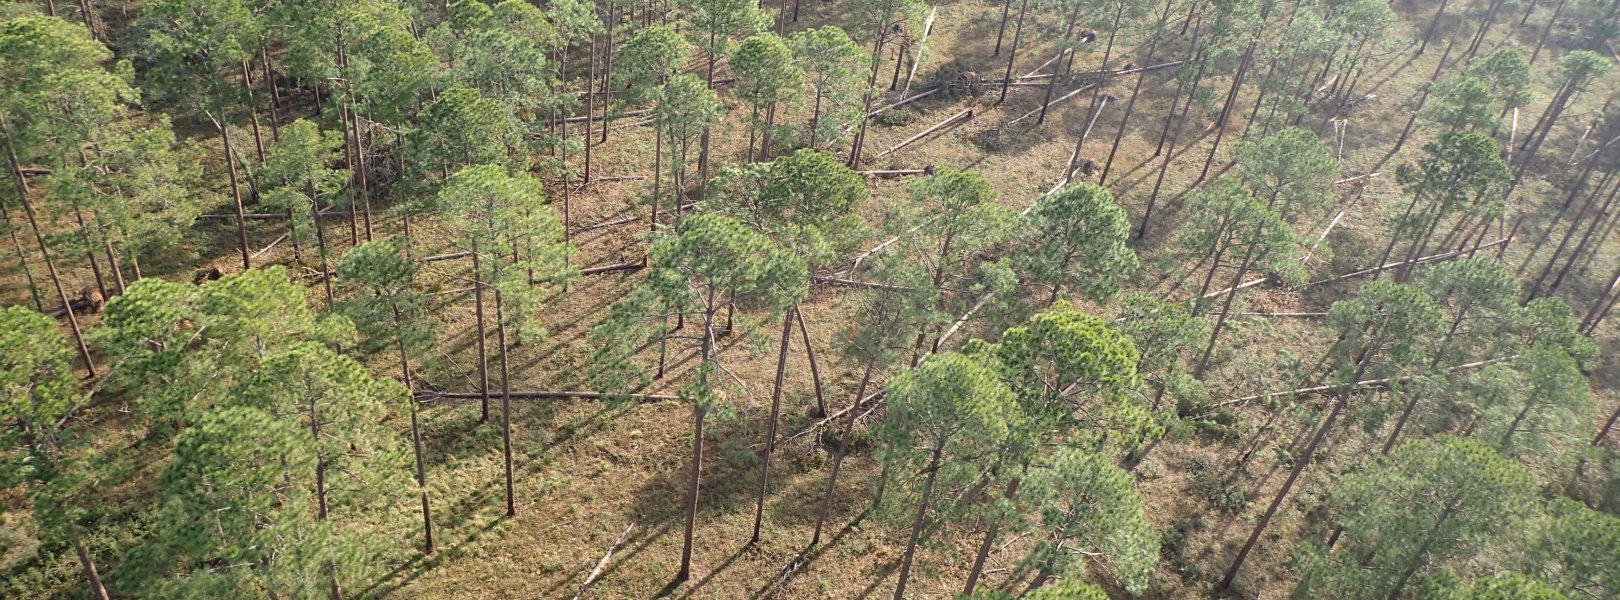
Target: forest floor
[588,470]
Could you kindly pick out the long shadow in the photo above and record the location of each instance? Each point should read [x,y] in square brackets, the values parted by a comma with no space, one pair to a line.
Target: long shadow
[801,562]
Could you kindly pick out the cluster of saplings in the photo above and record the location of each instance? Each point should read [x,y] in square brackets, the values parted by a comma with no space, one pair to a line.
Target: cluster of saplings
[270,461]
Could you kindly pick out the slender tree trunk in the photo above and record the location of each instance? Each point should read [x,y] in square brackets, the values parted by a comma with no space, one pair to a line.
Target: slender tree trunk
[22,258]
[841,450]
[1231,100]
[354,171]
[1433,24]
[815,370]
[416,441]
[1542,41]
[45,251]
[236,195]
[705,354]
[88,564]
[1423,549]
[483,355]
[1012,55]
[1303,460]
[922,503]
[1130,105]
[320,244]
[989,539]
[506,404]
[866,111]
[89,252]
[590,113]
[1226,309]
[1580,246]
[1001,31]
[770,431]
[253,110]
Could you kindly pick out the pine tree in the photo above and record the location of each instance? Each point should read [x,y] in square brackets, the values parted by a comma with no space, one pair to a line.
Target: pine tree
[708,263]
[1431,508]
[519,253]
[41,397]
[1075,239]
[766,77]
[942,413]
[832,65]
[389,310]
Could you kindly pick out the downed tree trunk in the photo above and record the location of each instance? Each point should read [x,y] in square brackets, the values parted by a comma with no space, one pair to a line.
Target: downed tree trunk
[1360,385]
[428,395]
[629,266]
[894,172]
[966,113]
[1368,271]
[602,564]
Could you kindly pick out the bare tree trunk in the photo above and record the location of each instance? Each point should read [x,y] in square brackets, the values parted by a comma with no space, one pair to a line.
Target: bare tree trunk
[841,450]
[922,503]
[770,432]
[815,370]
[1542,41]
[506,404]
[1012,55]
[45,252]
[22,258]
[1226,309]
[590,113]
[1001,31]
[483,355]
[88,564]
[416,441]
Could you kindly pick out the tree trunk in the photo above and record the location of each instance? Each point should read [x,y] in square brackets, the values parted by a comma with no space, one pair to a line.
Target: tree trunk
[506,404]
[1580,246]
[45,252]
[1226,309]
[815,370]
[928,490]
[1006,80]
[1542,41]
[253,110]
[590,113]
[1303,460]
[1130,105]
[236,195]
[349,160]
[88,564]
[22,258]
[770,431]
[416,441]
[989,540]
[483,355]
[1001,31]
[840,451]
[1282,493]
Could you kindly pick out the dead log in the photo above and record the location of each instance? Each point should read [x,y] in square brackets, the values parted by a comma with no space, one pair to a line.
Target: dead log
[629,266]
[428,395]
[1360,385]
[886,174]
[928,27]
[966,113]
[1368,271]
[444,257]
[602,564]
[633,113]
[1059,99]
